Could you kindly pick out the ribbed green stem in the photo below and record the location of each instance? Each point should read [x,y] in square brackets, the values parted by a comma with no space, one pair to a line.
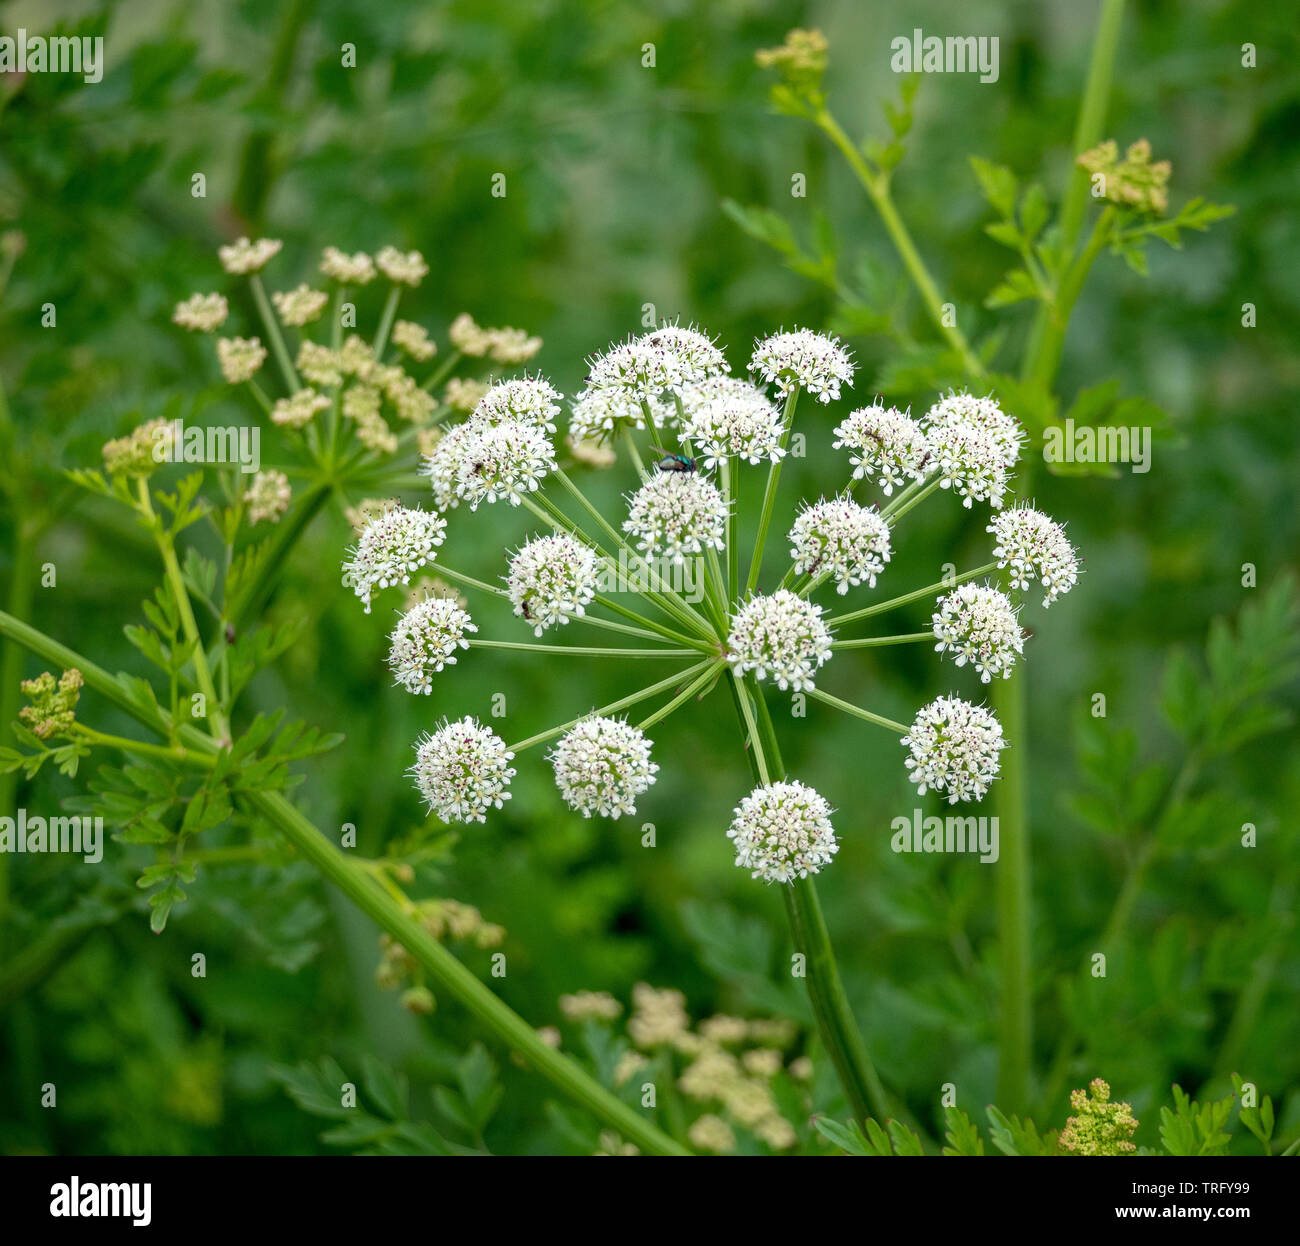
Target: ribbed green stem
[386,321]
[769,494]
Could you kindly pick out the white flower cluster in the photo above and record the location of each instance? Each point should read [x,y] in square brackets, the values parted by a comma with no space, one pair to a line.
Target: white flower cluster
[782,832]
[348,270]
[975,445]
[955,748]
[426,639]
[392,545]
[837,537]
[727,416]
[202,313]
[602,765]
[816,362]
[268,497]
[676,513]
[462,770]
[884,445]
[502,461]
[1035,547]
[243,257]
[552,579]
[301,306]
[780,636]
[976,623]
[298,410]
[405,269]
[530,399]
[240,358]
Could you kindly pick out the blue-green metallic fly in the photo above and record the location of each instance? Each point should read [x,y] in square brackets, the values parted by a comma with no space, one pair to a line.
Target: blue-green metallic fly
[671,462]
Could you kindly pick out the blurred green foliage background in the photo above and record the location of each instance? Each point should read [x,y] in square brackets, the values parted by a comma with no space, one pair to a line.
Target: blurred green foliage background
[615,175]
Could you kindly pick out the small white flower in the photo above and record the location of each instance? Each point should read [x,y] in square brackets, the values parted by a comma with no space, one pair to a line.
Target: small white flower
[414,340]
[1035,547]
[982,413]
[781,636]
[884,445]
[202,313]
[426,639]
[462,770]
[392,545]
[502,461]
[602,766]
[298,410]
[727,416]
[351,270]
[468,338]
[530,399]
[839,537]
[664,359]
[816,362]
[442,465]
[977,624]
[782,832]
[243,256]
[409,269]
[954,748]
[301,306]
[268,497]
[240,358]
[676,513]
[551,579]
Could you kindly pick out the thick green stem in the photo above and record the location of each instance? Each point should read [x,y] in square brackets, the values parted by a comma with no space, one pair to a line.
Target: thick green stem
[450,976]
[835,1023]
[386,321]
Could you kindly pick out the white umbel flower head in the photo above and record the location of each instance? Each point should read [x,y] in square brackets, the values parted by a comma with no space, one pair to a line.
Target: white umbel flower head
[298,409]
[530,399]
[240,358]
[839,537]
[392,545]
[782,832]
[350,270]
[982,413]
[780,636]
[552,579]
[727,416]
[971,462]
[602,766]
[1035,547]
[502,461]
[954,748]
[202,313]
[697,355]
[301,306]
[406,269]
[243,256]
[426,639]
[676,513]
[600,413]
[884,445]
[976,623]
[442,465]
[816,362]
[462,770]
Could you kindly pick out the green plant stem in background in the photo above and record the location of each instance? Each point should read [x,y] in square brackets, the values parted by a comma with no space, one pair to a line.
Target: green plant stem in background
[448,974]
[769,494]
[386,321]
[281,352]
[877,187]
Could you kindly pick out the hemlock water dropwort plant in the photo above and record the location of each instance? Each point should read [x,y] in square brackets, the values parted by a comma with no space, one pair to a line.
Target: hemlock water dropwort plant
[668,399]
